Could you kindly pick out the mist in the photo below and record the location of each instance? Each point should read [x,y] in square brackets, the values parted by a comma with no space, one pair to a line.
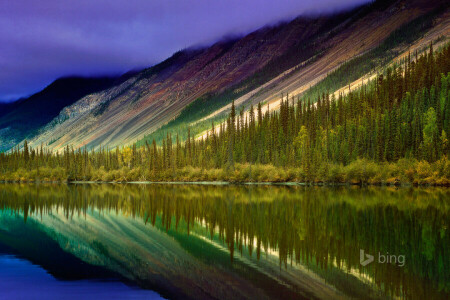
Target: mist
[44,41]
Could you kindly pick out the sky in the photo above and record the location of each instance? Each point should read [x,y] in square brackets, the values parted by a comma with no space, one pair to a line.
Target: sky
[47,39]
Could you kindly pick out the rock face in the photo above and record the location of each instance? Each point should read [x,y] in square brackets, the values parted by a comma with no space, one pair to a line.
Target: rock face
[145,101]
[23,118]
[126,112]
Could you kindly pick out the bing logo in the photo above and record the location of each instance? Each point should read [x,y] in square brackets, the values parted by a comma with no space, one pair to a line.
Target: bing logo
[365,259]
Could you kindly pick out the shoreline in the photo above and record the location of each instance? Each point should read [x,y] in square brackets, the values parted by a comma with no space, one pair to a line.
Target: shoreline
[223,183]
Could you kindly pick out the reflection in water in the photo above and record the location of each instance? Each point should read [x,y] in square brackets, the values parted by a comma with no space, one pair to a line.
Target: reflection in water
[19,279]
[245,241]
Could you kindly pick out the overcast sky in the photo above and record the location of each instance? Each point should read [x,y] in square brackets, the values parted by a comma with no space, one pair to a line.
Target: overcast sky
[43,40]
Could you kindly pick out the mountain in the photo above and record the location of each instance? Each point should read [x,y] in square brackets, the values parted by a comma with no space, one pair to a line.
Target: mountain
[6,107]
[155,96]
[23,118]
[196,86]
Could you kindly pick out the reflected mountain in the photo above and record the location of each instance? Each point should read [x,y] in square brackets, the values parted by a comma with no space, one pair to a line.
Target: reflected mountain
[238,242]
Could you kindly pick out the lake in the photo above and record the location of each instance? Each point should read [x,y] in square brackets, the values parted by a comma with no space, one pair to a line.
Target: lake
[182,241]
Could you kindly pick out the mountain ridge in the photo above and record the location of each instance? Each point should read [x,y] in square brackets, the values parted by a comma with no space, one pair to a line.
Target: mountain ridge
[25,116]
[253,65]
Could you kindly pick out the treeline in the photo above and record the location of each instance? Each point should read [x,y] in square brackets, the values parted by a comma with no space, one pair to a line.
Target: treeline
[305,52]
[393,129]
[369,61]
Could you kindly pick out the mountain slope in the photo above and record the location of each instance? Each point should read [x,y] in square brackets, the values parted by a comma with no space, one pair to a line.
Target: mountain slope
[158,94]
[414,26]
[332,75]
[21,119]
[300,53]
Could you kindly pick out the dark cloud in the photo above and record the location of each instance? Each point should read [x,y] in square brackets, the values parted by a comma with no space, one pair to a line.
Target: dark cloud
[43,40]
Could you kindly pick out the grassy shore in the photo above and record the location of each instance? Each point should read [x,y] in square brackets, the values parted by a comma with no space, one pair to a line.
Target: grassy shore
[402,172]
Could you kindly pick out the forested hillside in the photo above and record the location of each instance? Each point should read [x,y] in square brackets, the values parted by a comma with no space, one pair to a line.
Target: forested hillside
[195,115]
[393,129]
[197,85]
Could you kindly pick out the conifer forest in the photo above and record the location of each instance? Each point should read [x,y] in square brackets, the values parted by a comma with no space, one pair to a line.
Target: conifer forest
[225,150]
[394,129]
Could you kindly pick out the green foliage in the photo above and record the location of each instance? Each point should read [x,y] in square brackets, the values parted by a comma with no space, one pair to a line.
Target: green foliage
[430,133]
[392,130]
[368,62]
[304,51]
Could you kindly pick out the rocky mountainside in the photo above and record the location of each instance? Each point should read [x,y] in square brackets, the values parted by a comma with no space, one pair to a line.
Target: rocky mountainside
[257,67]
[126,112]
[23,118]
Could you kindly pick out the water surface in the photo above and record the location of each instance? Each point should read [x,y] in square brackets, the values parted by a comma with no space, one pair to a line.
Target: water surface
[20,279]
[231,242]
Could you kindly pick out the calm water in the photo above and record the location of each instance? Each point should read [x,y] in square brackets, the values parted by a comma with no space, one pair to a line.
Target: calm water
[230,242]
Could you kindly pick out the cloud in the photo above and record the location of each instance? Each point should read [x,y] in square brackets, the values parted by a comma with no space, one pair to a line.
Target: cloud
[43,40]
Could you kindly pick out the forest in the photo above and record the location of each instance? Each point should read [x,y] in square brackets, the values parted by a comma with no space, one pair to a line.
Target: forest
[305,53]
[392,130]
